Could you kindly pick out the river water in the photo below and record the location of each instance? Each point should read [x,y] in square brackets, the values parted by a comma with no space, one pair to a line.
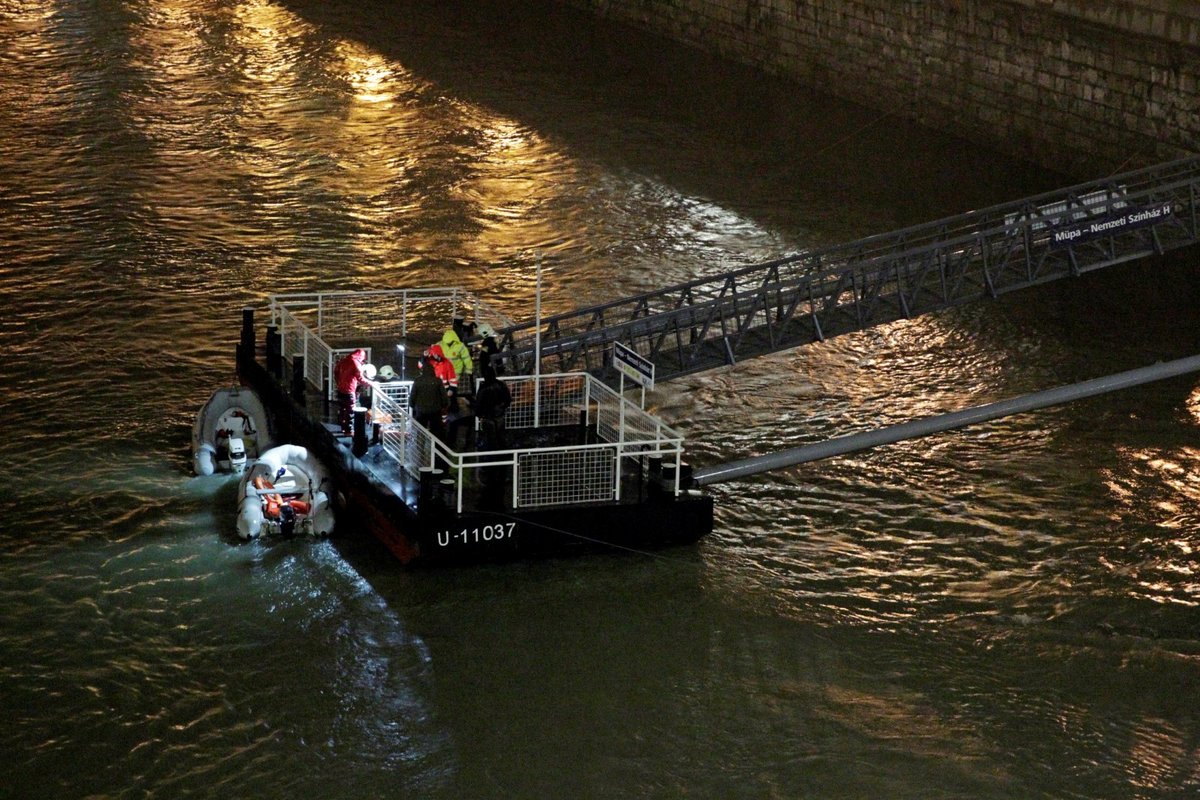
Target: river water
[1005,611]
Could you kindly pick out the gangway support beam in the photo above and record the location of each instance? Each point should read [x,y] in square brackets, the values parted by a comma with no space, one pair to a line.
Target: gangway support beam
[943,422]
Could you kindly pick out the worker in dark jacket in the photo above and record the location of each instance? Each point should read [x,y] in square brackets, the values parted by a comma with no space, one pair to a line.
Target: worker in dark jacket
[491,402]
[428,400]
[489,348]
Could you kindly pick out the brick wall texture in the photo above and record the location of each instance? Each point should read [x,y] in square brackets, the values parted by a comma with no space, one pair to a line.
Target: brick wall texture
[1086,87]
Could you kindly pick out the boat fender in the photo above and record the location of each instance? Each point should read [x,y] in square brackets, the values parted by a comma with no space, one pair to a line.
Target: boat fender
[250,515]
[205,459]
[321,514]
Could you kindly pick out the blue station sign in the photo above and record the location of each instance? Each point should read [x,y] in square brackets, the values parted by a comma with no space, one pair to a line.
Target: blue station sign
[1127,219]
[633,365]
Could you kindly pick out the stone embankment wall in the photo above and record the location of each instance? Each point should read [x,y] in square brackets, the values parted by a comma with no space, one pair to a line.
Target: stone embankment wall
[1086,87]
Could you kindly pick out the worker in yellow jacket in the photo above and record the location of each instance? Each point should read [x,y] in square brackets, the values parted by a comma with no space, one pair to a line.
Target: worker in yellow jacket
[460,357]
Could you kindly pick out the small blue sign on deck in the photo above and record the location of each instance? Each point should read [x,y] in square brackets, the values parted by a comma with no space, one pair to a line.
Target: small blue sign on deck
[1126,219]
[633,365]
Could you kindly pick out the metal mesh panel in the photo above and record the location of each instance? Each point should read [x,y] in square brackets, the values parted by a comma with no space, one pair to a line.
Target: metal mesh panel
[384,314]
[296,338]
[292,334]
[560,398]
[317,357]
[639,426]
[540,476]
[608,414]
[403,438]
[560,477]
[395,391]
[387,314]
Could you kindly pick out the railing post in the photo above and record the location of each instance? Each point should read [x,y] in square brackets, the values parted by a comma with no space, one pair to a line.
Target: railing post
[274,352]
[298,378]
[516,478]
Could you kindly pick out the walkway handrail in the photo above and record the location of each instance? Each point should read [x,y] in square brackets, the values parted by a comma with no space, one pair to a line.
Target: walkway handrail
[811,295]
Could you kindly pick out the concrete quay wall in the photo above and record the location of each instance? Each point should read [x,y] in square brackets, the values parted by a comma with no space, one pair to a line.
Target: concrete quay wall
[1085,87]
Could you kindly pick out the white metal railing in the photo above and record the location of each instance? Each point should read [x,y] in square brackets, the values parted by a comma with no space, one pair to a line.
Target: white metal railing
[298,339]
[387,313]
[311,324]
[538,476]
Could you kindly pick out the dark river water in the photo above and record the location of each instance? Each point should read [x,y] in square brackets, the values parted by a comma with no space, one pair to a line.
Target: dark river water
[1006,611]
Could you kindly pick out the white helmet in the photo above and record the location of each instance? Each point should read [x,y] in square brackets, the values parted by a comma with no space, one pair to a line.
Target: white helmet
[368,371]
[484,330]
[386,373]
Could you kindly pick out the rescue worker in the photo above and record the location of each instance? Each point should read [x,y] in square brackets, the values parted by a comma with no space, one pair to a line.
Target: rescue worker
[488,348]
[442,367]
[458,355]
[428,400]
[348,374]
[491,402]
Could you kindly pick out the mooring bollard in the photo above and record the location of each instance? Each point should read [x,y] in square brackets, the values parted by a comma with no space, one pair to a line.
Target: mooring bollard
[274,352]
[360,445]
[248,328]
[429,479]
[447,490]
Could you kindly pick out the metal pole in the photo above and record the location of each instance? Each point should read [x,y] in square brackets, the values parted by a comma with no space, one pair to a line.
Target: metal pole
[621,412]
[537,346]
[620,451]
[943,422]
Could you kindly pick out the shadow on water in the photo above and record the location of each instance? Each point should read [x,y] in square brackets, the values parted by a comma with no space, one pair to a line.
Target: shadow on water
[589,676]
[765,147]
[608,675]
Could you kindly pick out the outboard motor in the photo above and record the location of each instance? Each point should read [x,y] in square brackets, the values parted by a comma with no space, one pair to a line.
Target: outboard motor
[237,456]
[287,519]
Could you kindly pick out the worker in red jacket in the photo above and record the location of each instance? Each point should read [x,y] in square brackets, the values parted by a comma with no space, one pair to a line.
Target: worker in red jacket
[442,366]
[348,373]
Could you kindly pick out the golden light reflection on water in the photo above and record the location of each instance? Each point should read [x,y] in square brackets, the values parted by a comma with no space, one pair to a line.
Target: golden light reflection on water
[285,143]
[1165,488]
[1158,754]
[370,76]
[375,134]
[265,34]
[1193,404]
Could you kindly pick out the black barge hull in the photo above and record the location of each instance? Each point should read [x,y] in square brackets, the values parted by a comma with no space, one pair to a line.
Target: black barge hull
[422,528]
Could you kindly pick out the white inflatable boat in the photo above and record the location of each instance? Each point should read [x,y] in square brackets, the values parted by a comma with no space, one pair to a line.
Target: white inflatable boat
[285,492]
[231,430]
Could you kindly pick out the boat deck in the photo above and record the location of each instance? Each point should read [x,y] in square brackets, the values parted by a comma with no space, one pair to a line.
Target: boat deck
[480,489]
[582,465]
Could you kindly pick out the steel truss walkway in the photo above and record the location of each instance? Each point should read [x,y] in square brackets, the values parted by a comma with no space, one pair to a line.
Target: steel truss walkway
[710,322]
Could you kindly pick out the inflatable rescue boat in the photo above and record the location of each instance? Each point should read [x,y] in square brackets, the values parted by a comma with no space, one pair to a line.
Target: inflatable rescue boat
[230,431]
[285,492]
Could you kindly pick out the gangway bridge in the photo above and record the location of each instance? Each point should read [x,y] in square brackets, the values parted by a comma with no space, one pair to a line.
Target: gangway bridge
[813,295]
